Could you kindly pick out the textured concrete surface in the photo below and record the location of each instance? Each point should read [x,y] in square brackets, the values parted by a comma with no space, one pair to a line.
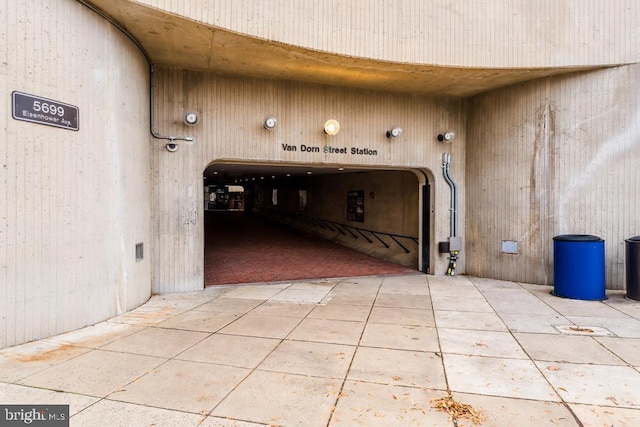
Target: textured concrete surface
[373,350]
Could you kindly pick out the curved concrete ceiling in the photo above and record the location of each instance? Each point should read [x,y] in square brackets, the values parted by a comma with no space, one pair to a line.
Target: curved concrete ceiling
[174,41]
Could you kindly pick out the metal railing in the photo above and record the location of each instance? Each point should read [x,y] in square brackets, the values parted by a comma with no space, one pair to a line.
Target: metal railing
[370,236]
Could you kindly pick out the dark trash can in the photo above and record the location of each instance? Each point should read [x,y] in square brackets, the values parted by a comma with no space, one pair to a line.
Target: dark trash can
[579,267]
[632,266]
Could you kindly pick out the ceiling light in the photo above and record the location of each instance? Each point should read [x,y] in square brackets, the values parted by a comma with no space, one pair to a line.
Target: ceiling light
[331,127]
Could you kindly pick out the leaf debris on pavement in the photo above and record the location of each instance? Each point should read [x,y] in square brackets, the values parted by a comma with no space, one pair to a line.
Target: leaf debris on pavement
[458,410]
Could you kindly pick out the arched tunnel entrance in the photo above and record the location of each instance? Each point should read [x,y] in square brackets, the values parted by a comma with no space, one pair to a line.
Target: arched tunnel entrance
[268,222]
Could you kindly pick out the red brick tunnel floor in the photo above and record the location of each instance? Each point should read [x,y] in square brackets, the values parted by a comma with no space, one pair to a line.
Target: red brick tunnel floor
[241,248]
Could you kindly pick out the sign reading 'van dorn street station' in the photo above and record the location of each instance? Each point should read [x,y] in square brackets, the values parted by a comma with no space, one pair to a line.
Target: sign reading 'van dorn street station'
[330,150]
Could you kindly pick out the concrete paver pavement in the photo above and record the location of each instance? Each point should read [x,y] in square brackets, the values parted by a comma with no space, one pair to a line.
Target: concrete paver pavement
[370,351]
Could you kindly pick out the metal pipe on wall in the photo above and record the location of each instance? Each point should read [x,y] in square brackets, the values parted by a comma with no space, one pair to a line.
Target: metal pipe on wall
[446,162]
[454,241]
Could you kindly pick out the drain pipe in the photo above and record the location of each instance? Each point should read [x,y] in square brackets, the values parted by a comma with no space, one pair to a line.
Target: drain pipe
[446,162]
[455,242]
[171,145]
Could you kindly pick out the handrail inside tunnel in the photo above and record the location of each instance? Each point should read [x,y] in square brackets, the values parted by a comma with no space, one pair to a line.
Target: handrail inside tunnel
[260,246]
[275,215]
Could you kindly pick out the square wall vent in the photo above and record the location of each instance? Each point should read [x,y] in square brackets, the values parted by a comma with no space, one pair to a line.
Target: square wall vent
[139,251]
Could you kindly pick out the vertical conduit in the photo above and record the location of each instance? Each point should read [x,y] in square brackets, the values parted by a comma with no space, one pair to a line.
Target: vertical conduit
[454,244]
[446,162]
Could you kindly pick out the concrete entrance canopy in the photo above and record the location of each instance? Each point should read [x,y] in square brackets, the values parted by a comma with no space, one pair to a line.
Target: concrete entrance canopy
[429,57]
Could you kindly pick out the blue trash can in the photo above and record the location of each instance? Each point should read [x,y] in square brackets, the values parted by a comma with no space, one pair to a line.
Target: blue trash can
[579,267]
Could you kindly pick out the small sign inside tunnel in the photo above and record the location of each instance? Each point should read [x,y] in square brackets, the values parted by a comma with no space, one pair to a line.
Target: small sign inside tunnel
[355,205]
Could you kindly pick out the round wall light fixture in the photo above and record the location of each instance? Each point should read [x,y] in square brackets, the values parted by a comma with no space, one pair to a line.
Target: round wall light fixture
[446,137]
[270,122]
[331,127]
[394,132]
[191,118]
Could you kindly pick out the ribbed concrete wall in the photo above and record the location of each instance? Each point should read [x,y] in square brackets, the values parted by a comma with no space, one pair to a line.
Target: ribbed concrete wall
[232,112]
[555,156]
[467,33]
[552,156]
[72,204]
